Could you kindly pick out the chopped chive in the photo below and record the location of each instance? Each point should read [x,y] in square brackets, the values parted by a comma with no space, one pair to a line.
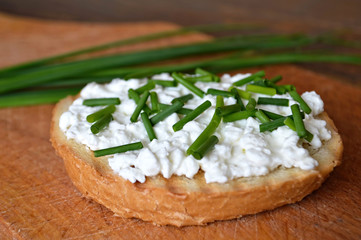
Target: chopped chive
[297,119]
[272,125]
[183,99]
[132,94]
[187,84]
[272,115]
[192,115]
[243,94]
[249,78]
[209,130]
[165,83]
[261,82]
[238,98]
[300,100]
[261,90]
[99,114]
[202,78]
[166,112]
[154,101]
[139,107]
[201,71]
[147,87]
[239,116]
[262,116]
[101,101]
[148,126]
[225,110]
[205,147]
[251,105]
[273,101]
[217,92]
[101,123]
[309,136]
[289,123]
[276,79]
[282,89]
[118,149]
[183,111]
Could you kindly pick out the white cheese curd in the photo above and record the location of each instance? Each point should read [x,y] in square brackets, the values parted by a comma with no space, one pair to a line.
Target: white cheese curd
[242,150]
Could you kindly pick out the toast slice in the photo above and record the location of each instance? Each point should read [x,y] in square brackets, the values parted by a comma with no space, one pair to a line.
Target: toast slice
[181,201]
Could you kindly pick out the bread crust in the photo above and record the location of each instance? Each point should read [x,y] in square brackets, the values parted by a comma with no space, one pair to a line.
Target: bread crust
[181,201]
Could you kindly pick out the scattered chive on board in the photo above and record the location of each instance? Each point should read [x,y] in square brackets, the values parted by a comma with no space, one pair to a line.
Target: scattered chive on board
[101,101]
[118,149]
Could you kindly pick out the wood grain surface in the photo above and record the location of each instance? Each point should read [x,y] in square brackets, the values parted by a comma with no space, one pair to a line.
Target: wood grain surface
[38,200]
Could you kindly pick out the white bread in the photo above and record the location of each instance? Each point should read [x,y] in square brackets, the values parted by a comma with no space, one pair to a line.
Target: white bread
[181,201]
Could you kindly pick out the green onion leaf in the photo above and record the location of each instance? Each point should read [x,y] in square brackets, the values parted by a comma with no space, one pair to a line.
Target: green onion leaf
[183,99]
[139,107]
[217,92]
[192,115]
[300,100]
[101,123]
[118,149]
[205,147]
[166,112]
[148,126]
[249,78]
[251,105]
[239,116]
[261,90]
[273,101]
[262,116]
[99,114]
[187,84]
[209,130]
[297,119]
[101,101]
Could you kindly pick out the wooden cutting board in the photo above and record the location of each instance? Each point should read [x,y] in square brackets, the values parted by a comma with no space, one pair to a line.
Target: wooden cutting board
[38,200]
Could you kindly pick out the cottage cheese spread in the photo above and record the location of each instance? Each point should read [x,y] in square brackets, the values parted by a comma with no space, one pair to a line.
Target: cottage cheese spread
[242,150]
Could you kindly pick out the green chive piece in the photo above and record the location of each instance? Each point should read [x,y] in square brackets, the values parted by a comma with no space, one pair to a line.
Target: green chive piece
[101,123]
[262,116]
[225,110]
[148,126]
[202,78]
[217,92]
[205,147]
[289,123]
[101,101]
[261,82]
[99,114]
[251,105]
[132,94]
[239,116]
[201,71]
[282,89]
[154,101]
[166,112]
[273,101]
[188,85]
[276,79]
[118,149]
[209,130]
[261,90]
[183,99]
[238,98]
[300,100]
[192,115]
[272,115]
[249,78]
[309,136]
[183,111]
[165,83]
[243,94]
[297,118]
[140,105]
[147,87]
[272,125]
